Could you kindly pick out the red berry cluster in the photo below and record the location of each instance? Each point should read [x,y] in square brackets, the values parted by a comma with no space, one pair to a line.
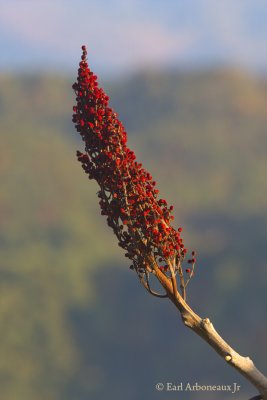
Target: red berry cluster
[128,197]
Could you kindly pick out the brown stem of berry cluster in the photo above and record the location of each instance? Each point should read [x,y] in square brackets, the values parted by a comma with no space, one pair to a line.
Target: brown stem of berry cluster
[205,329]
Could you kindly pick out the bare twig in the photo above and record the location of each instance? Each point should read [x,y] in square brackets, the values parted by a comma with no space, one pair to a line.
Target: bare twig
[204,328]
[146,284]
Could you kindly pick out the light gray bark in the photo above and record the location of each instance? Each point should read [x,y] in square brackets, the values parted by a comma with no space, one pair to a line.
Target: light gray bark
[205,329]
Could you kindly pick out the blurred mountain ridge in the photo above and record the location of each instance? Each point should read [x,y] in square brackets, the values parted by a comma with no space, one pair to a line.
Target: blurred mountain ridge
[203,137]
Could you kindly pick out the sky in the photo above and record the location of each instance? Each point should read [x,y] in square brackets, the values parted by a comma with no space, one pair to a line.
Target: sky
[123,36]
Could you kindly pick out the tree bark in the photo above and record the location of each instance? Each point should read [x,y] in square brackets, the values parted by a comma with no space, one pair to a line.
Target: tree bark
[204,328]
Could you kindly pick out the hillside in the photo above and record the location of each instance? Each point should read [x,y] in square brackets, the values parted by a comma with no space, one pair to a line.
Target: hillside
[74,322]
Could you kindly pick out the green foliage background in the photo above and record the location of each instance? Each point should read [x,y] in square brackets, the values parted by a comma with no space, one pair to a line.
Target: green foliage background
[74,322]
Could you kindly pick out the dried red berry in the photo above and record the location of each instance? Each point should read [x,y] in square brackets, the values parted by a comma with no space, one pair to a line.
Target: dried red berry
[188,270]
[128,196]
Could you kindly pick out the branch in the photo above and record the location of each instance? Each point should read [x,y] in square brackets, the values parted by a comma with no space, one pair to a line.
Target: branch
[146,285]
[205,329]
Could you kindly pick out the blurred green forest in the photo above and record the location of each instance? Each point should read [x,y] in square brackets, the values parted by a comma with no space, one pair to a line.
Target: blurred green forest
[74,322]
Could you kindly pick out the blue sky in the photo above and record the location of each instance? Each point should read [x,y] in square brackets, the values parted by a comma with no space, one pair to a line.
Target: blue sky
[125,35]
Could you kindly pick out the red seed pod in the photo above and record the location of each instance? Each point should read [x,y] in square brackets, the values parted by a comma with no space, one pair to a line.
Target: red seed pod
[128,192]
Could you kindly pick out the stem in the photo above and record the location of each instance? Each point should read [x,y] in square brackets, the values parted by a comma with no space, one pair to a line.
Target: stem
[204,328]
